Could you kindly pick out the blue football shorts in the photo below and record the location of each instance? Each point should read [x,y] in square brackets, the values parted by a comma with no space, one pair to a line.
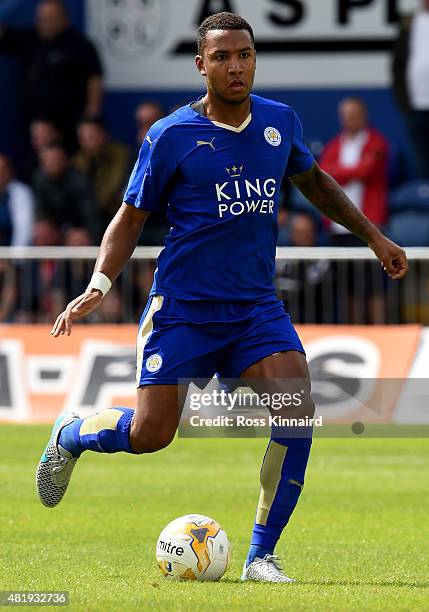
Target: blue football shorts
[180,339]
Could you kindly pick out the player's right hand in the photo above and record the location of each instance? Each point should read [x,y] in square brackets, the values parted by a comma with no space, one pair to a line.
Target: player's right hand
[78,308]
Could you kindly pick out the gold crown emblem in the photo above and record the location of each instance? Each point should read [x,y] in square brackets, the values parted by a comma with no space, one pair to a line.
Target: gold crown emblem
[235,171]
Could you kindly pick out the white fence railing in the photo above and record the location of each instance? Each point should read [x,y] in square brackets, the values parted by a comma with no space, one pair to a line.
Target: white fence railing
[294,253]
[318,285]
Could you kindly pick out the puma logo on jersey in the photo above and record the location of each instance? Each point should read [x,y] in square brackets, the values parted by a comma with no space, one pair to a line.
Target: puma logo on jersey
[201,143]
[151,142]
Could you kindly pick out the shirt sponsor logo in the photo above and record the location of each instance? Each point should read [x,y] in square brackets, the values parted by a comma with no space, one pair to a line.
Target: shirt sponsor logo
[241,197]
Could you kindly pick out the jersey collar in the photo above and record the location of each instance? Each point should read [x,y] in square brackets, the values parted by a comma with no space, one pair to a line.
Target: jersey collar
[224,126]
[238,129]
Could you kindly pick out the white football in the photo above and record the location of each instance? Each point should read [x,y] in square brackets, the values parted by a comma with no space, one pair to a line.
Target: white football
[193,547]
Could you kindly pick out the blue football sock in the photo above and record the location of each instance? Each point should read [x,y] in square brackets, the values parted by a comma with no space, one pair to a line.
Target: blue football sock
[258,551]
[107,431]
[282,480]
[69,438]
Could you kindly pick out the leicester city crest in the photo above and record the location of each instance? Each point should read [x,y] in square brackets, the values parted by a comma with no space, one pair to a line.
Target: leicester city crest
[154,363]
[272,136]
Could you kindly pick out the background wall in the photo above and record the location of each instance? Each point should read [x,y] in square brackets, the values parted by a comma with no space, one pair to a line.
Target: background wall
[340,43]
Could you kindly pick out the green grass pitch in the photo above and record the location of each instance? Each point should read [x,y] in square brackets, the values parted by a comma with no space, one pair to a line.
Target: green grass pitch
[359,539]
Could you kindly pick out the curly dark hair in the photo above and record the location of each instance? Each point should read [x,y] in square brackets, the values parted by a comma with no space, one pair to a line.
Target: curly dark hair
[222,21]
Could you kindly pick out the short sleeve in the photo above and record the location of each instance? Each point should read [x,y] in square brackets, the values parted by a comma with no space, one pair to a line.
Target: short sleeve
[300,159]
[152,172]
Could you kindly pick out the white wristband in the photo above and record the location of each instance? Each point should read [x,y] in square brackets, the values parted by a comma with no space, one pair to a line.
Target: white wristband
[99,281]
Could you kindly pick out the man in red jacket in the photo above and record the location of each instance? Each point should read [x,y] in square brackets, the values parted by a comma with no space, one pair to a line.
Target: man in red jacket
[358,160]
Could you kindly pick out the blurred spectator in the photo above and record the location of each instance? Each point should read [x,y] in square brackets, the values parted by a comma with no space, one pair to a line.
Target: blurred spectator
[111,309]
[16,208]
[411,81]
[105,163]
[8,290]
[63,195]
[301,282]
[64,77]
[78,237]
[43,132]
[358,159]
[283,237]
[46,233]
[71,276]
[34,303]
[156,227]
[142,274]
[303,230]
[146,114]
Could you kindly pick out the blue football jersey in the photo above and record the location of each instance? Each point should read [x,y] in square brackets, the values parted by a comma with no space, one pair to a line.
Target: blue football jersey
[222,186]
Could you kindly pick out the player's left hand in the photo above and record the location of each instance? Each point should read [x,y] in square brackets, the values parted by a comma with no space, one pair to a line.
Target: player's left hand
[392,257]
[78,308]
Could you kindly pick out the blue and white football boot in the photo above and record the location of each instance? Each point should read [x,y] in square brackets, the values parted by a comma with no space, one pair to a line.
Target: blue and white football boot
[265,570]
[55,466]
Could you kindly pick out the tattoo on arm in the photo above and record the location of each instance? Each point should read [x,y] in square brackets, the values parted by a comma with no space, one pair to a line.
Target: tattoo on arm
[328,197]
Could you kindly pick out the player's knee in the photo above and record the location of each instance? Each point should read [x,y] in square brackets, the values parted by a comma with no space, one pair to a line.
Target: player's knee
[158,442]
[309,407]
[305,406]
[302,406]
[150,440]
